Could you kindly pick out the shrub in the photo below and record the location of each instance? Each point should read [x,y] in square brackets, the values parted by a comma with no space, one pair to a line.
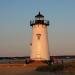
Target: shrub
[56,67]
[51,68]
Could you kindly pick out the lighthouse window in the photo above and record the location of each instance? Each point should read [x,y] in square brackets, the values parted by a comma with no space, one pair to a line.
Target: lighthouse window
[38,36]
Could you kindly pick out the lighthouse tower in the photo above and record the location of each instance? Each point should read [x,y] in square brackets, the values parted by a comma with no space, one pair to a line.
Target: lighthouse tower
[39,45]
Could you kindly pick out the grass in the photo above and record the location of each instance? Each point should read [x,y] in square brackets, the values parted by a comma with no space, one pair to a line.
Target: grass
[51,68]
[70,64]
[66,67]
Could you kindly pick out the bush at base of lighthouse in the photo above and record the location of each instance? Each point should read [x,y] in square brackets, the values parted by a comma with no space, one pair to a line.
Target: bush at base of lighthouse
[51,68]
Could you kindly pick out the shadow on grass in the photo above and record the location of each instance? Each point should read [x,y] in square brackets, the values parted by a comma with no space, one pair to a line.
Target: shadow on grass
[51,68]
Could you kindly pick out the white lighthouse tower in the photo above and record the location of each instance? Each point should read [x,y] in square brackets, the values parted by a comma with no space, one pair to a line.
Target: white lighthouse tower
[39,46]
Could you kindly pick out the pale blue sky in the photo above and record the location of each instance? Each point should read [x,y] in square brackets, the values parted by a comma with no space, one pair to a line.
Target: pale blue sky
[15,30]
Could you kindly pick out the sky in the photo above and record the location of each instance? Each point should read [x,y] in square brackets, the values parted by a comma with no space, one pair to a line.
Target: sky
[15,30]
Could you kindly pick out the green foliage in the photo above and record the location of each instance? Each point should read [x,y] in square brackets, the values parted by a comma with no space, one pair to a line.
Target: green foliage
[56,67]
[51,68]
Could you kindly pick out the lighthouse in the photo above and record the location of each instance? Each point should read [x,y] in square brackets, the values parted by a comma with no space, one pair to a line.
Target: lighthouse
[39,45]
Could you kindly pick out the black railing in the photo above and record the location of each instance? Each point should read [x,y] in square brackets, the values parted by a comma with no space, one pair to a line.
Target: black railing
[43,22]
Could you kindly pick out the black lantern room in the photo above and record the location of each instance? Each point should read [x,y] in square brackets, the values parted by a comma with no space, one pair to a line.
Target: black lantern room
[39,19]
